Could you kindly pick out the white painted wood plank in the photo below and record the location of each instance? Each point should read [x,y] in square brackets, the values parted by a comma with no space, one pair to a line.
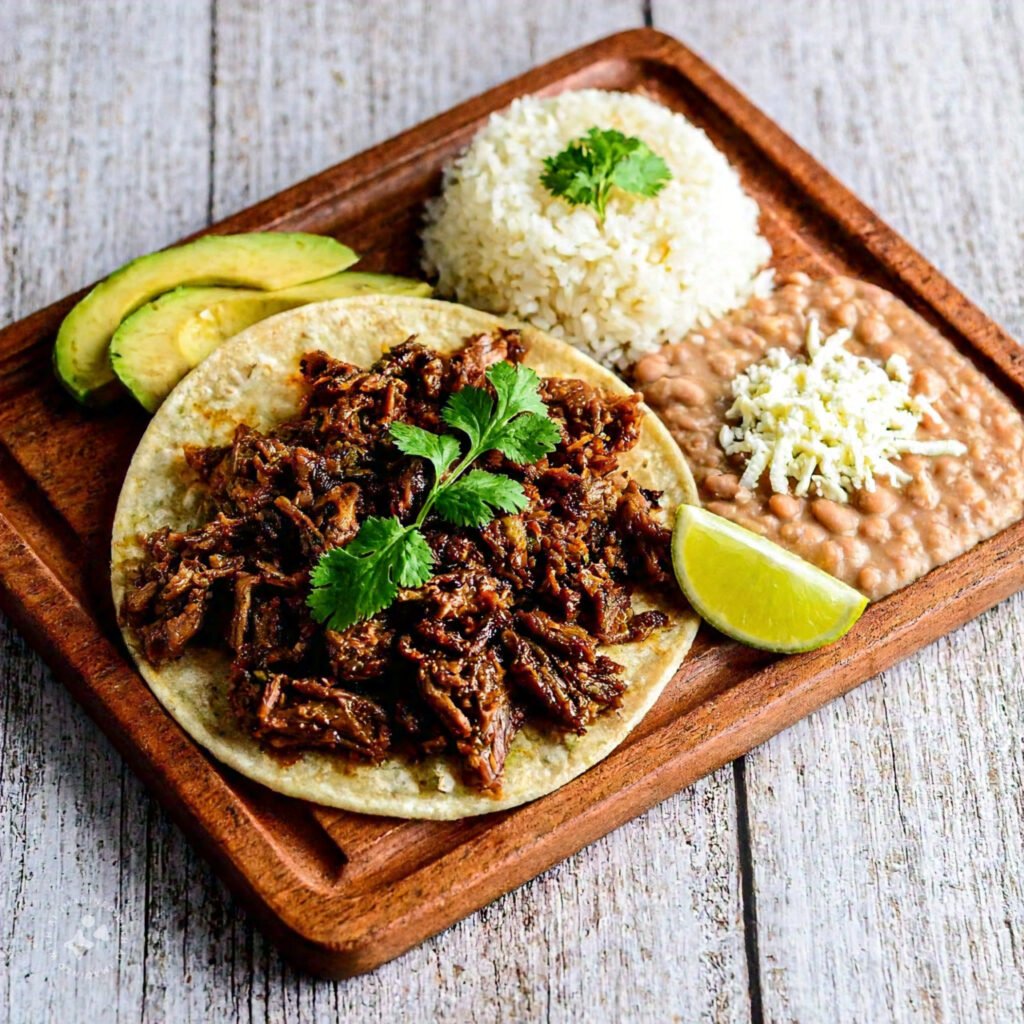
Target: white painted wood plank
[301,86]
[887,829]
[641,926]
[103,156]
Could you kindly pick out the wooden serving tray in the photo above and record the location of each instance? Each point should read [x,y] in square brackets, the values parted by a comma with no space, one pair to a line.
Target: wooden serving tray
[340,892]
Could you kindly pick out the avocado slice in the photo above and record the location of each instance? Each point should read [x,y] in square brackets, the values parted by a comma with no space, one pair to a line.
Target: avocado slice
[201,332]
[158,344]
[264,260]
[145,355]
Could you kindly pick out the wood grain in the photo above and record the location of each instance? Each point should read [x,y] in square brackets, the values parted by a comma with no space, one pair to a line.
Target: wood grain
[187,954]
[887,829]
[86,144]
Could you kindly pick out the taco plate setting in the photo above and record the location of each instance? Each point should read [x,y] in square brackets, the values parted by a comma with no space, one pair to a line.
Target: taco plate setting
[416,527]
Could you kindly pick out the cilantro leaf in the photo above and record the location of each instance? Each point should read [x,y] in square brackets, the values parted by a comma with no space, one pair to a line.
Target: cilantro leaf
[471,411]
[527,438]
[571,175]
[642,172]
[375,535]
[474,412]
[517,388]
[355,582]
[441,450]
[473,500]
[522,430]
[413,560]
[608,147]
[585,172]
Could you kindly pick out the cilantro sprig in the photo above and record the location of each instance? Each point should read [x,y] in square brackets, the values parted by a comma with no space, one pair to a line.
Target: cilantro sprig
[586,171]
[357,581]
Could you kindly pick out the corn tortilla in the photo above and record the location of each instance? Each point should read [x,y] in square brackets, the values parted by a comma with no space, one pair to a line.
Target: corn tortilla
[254,379]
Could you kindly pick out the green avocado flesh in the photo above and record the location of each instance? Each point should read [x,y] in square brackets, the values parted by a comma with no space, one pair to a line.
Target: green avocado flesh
[159,343]
[199,333]
[262,260]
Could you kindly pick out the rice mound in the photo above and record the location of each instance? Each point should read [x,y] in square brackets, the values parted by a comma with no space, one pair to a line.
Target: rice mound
[498,240]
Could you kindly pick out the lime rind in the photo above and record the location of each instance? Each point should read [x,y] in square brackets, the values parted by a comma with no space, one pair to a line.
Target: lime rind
[755,591]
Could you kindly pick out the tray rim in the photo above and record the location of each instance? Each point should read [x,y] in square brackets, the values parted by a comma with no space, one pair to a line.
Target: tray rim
[240,847]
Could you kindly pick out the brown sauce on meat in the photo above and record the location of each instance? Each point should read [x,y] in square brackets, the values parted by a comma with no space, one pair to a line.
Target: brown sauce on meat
[508,629]
[882,539]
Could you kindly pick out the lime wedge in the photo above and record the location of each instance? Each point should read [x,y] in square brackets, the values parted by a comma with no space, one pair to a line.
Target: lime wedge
[755,591]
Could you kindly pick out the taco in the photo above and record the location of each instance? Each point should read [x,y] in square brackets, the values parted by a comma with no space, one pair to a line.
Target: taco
[542,637]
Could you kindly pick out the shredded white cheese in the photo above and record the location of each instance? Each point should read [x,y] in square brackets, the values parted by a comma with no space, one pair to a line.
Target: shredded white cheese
[831,423]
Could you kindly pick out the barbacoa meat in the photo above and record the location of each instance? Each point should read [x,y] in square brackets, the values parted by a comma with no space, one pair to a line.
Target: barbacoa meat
[508,629]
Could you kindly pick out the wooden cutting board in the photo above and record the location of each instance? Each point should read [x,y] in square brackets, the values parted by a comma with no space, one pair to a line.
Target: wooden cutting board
[340,892]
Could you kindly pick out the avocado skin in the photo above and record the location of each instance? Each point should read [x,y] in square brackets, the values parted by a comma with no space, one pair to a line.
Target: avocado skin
[259,260]
[159,343]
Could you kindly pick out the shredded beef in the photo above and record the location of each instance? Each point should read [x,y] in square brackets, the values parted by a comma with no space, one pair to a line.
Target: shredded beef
[507,630]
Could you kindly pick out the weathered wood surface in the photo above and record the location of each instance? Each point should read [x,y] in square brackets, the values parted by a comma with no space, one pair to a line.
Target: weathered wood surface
[888,830]
[885,832]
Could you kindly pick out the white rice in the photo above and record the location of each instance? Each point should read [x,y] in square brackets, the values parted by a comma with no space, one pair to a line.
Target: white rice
[498,240]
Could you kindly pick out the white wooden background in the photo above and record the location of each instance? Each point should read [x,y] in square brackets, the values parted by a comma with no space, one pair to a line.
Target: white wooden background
[867,865]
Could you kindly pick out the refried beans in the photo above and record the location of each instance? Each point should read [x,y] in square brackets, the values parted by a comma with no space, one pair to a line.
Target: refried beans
[882,539]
